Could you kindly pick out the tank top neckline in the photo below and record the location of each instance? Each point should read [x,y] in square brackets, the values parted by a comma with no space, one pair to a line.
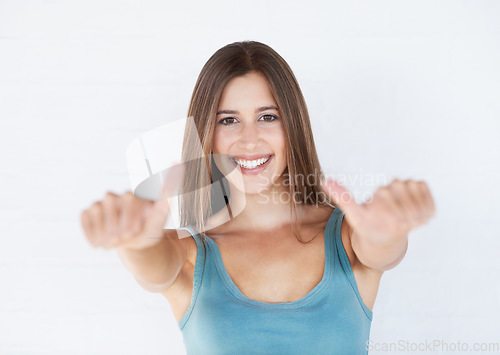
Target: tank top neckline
[329,245]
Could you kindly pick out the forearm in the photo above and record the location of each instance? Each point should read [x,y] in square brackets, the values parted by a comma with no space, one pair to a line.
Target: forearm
[379,253]
[155,266]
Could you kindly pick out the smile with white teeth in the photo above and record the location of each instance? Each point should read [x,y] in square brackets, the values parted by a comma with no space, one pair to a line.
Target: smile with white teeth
[251,164]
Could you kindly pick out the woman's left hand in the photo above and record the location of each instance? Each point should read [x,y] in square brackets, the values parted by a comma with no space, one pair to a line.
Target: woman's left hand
[391,213]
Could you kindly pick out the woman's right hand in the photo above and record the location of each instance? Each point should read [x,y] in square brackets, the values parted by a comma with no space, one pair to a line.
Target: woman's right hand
[125,221]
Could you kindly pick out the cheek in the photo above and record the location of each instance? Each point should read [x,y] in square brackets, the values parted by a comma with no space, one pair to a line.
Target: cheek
[219,142]
[279,142]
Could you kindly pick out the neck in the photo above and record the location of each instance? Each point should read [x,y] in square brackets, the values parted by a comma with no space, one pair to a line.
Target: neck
[264,211]
[260,213]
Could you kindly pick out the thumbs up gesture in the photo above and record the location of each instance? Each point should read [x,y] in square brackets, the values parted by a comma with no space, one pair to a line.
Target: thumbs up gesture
[392,212]
[127,222]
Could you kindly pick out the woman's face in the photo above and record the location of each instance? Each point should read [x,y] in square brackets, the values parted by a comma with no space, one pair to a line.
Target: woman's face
[249,139]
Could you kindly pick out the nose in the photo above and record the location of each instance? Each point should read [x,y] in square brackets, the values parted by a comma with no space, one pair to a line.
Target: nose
[249,136]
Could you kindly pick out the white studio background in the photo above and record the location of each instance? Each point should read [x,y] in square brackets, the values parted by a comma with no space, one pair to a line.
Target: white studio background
[406,89]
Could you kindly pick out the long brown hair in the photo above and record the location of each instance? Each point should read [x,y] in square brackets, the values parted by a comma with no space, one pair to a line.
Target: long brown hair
[236,59]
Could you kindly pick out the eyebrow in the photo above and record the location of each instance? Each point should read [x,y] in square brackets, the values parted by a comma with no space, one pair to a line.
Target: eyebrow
[260,109]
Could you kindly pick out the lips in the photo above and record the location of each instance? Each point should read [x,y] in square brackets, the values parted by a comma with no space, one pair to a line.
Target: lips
[250,156]
[248,168]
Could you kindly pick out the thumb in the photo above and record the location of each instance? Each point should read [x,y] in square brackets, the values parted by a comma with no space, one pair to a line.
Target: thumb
[343,199]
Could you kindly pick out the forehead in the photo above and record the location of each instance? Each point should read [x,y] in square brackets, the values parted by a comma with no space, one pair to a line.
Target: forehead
[251,89]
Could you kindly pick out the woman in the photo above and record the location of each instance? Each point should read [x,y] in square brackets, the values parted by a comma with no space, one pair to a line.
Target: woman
[276,268]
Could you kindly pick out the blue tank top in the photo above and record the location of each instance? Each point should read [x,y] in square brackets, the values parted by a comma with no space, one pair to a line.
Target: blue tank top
[331,319]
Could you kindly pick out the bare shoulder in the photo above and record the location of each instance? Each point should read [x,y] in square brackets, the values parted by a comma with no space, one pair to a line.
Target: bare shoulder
[185,239]
[346,233]
[179,292]
[188,242]
[367,279]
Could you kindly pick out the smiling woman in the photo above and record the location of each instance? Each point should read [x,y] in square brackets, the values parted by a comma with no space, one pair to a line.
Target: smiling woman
[280,275]
[247,105]
[286,273]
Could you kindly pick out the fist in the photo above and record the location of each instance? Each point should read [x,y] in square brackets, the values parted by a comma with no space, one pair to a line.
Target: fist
[125,221]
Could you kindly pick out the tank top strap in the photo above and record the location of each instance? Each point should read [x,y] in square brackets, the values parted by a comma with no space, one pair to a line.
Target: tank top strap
[330,246]
[199,270]
[341,260]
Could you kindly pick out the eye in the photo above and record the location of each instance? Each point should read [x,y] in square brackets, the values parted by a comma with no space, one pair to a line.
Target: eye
[225,122]
[273,118]
[227,118]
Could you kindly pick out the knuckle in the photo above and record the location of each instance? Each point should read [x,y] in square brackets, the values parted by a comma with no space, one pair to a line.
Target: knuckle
[108,204]
[384,190]
[383,193]
[95,207]
[412,184]
[97,204]
[128,195]
[423,186]
[397,183]
[128,198]
[109,196]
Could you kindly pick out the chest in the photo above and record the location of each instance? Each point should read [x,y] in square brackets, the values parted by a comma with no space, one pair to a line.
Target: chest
[275,272]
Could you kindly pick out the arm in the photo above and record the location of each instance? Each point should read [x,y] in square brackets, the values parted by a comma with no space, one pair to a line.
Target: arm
[156,268]
[379,255]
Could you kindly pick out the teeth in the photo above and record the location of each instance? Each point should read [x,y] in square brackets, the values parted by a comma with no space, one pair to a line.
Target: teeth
[251,164]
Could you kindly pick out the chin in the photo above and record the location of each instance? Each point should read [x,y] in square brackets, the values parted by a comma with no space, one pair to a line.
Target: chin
[246,181]
[247,187]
